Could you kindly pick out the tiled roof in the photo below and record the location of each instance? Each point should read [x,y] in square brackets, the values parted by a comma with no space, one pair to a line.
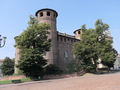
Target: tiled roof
[118,55]
[1,60]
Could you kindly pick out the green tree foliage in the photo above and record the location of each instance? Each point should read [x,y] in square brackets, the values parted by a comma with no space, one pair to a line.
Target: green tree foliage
[33,44]
[109,58]
[8,66]
[52,69]
[94,44]
[74,66]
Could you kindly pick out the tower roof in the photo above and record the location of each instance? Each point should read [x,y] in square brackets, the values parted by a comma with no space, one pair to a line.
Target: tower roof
[76,30]
[46,9]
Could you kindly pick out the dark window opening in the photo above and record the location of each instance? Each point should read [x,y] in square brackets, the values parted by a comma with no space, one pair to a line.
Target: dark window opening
[65,39]
[78,32]
[57,38]
[68,39]
[71,41]
[61,38]
[48,13]
[41,14]
[54,15]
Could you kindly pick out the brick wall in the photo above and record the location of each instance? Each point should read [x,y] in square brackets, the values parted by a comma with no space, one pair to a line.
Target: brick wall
[11,77]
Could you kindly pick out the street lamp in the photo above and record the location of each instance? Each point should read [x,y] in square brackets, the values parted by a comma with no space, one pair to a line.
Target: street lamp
[2,39]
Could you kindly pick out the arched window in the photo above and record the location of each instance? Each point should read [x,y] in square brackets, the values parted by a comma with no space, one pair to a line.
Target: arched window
[66,54]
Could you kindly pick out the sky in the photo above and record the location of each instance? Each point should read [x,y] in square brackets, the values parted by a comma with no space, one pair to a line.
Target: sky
[72,14]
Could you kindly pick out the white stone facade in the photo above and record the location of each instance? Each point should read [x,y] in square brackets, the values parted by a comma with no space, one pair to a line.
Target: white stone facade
[1,61]
[117,63]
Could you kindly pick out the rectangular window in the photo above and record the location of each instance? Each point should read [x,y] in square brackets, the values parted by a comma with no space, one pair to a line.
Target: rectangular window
[64,39]
[54,15]
[57,38]
[41,14]
[48,13]
[78,32]
[61,38]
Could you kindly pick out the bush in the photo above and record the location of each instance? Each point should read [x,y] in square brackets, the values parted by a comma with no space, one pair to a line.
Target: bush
[88,67]
[73,66]
[19,73]
[52,69]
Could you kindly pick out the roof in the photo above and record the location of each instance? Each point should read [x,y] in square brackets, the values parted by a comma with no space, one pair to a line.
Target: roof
[66,35]
[1,60]
[76,30]
[46,9]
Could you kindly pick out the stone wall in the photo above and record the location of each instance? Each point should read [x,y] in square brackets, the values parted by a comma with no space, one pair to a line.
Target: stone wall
[64,75]
[11,77]
[46,76]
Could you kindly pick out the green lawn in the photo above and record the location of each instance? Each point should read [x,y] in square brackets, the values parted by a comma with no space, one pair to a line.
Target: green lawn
[9,81]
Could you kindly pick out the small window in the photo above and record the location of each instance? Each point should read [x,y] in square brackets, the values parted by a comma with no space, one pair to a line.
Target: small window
[54,15]
[57,38]
[65,39]
[41,14]
[68,39]
[48,13]
[78,32]
[61,38]
[66,54]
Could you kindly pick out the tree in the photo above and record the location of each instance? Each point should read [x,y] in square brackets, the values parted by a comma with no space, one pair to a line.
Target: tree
[109,58]
[74,66]
[8,66]
[33,44]
[93,45]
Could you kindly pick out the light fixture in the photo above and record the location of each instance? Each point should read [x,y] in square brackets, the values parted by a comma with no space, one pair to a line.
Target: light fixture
[2,39]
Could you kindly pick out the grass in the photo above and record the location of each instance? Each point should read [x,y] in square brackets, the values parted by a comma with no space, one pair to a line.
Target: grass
[9,81]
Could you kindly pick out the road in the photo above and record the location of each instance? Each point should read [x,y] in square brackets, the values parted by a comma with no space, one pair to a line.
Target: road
[88,82]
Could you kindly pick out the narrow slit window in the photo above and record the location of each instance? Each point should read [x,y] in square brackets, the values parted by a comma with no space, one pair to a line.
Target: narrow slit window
[68,39]
[54,15]
[65,39]
[61,38]
[57,38]
[78,32]
[48,13]
[41,14]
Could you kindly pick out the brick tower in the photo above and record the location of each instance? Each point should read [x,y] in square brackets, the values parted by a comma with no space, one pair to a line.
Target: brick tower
[49,16]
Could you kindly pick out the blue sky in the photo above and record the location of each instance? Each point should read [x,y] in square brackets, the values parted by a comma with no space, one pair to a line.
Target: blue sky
[14,15]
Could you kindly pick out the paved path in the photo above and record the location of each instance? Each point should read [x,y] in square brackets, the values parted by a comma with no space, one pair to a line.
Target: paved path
[89,82]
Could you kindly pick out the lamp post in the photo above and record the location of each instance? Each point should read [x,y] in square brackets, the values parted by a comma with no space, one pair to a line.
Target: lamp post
[2,39]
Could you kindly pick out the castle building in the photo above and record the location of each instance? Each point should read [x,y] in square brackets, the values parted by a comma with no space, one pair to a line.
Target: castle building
[1,62]
[60,53]
[117,62]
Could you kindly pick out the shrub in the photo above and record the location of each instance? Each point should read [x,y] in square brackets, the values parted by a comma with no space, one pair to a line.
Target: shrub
[52,69]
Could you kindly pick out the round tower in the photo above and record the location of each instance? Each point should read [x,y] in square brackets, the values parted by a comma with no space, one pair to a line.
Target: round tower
[49,16]
[77,33]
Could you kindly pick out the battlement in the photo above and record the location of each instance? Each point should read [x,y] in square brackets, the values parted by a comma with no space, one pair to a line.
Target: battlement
[66,35]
